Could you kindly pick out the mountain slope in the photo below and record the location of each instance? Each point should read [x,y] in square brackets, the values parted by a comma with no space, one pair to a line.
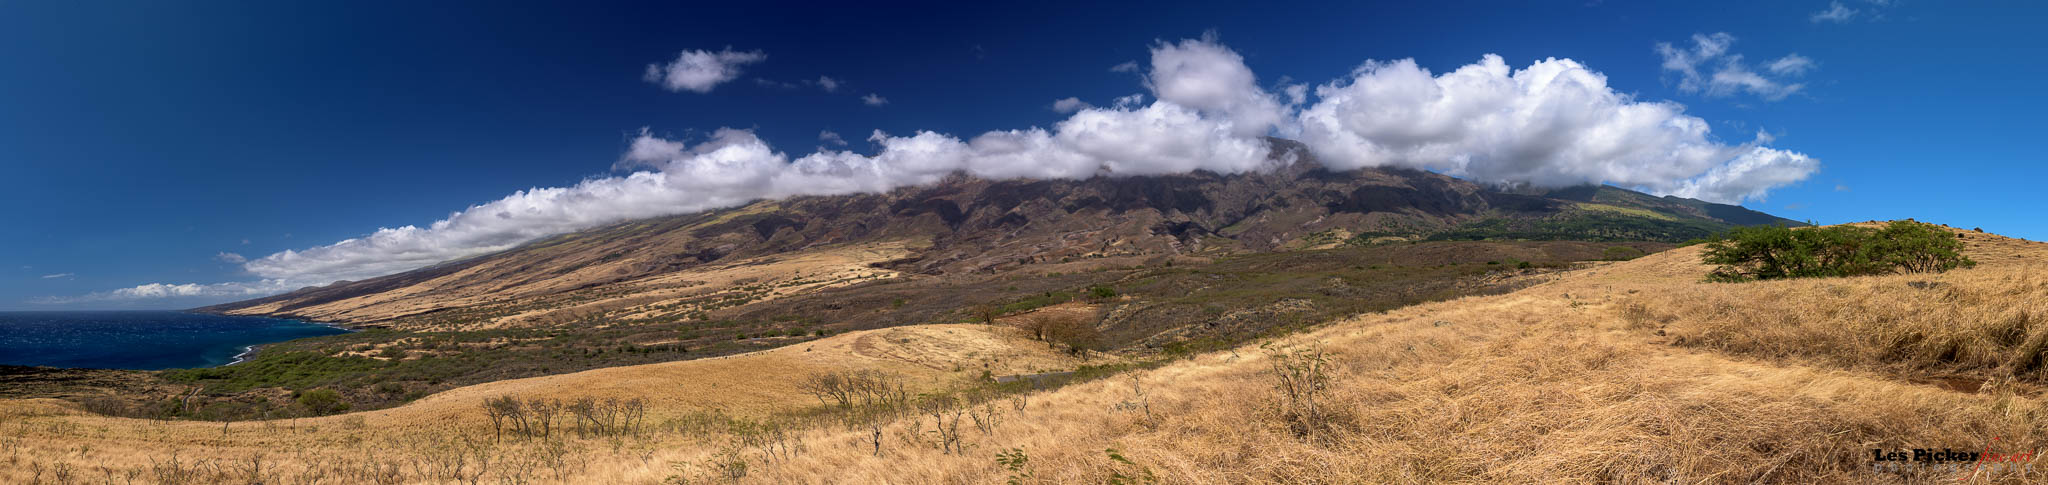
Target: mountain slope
[1617,372]
[975,226]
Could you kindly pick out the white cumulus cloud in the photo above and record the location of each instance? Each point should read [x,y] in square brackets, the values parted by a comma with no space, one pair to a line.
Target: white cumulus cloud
[872,99]
[230,258]
[1754,171]
[1209,77]
[1553,123]
[700,70]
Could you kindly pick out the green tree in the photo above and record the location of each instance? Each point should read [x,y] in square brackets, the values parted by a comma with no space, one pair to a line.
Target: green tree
[1773,252]
[322,402]
[1914,247]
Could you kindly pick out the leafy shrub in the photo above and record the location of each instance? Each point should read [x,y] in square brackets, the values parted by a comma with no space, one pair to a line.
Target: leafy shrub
[322,402]
[1055,329]
[1015,460]
[1773,252]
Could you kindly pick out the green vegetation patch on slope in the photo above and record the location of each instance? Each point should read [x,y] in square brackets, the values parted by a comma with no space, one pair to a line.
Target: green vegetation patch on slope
[1192,304]
[1242,297]
[1615,224]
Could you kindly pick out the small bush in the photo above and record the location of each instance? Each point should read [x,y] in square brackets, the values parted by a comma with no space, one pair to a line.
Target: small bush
[1035,325]
[1079,336]
[1067,329]
[105,406]
[986,313]
[1302,379]
[322,402]
[1639,316]
[1015,461]
[1773,252]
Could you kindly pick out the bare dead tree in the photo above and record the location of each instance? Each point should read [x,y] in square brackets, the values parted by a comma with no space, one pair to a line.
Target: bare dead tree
[877,399]
[828,387]
[635,412]
[870,422]
[776,441]
[986,313]
[875,388]
[504,410]
[985,414]
[1138,402]
[543,412]
[946,412]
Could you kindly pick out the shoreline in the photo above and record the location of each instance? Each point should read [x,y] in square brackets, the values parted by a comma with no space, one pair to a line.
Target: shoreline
[250,350]
[242,357]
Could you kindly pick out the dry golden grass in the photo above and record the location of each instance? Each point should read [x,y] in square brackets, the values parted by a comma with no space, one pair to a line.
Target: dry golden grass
[790,273]
[1986,324]
[1565,381]
[752,385]
[1971,325]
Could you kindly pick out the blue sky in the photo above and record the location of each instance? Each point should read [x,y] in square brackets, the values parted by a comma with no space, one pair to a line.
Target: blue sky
[155,143]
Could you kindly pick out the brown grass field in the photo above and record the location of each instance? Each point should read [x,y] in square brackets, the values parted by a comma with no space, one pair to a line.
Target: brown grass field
[803,271]
[1628,372]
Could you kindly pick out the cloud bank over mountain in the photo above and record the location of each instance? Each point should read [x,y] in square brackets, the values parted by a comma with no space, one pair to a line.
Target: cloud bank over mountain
[1553,123]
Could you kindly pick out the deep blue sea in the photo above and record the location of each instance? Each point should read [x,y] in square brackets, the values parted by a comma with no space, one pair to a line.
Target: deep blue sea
[145,340]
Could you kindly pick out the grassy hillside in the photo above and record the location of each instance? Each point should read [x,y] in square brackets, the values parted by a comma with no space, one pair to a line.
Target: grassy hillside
[749,305]
[1636,371]
[968,226]
[1256,252]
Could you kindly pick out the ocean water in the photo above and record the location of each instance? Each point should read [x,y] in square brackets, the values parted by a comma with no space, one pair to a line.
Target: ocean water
[144,340]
